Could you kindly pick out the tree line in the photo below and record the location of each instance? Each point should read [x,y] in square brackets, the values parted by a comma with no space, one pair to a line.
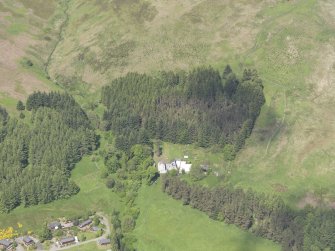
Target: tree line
[125,173]
[264,215]
[36,156]
[201,106]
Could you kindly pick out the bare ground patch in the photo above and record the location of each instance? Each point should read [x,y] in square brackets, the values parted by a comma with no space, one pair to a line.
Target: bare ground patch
[11,72]
[309,200]
[16,81]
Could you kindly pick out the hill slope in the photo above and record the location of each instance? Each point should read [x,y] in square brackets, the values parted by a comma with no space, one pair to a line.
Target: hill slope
[27,35]
[290,43]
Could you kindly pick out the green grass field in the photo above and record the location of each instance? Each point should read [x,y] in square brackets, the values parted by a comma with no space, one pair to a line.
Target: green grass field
[165,224]
[290,43]
[89,247]
[291,151]
[93,195]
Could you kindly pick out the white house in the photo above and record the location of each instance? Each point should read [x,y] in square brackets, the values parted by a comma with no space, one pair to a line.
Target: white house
[174,165]
[161,167]
[183,165]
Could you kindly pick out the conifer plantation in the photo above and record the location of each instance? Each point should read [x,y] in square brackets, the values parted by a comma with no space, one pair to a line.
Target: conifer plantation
[36,156]
[264,215]
[201,106]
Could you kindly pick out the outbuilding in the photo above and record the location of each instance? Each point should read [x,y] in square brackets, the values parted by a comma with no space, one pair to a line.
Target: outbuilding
[85,223]
[104,242]
[28,241]
[6,244]
[67,241]
[55,225]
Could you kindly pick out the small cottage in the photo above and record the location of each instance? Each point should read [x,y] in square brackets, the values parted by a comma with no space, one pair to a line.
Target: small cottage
[28,241]
[55,225]
[104,242]
[85,223]
[6,244]
[67,241]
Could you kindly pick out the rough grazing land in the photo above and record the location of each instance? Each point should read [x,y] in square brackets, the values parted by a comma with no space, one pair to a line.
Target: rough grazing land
[21,37]
[291,43]
[166,224]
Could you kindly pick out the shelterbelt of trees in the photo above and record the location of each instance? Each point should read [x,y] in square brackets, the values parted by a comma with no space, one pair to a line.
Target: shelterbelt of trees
[266,216]
[36,157]
[201,106]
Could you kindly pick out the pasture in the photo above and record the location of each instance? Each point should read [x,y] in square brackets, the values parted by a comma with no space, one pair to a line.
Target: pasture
[93,196]
[165,224]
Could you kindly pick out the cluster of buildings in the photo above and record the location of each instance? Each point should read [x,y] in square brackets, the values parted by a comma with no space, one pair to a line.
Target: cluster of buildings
[179,165]
[67,240]
[83,226]
[7,244]
[72,240]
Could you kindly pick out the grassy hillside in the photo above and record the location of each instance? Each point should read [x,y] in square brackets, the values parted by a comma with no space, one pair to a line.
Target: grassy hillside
[165,224]
[93,195]
[290,43]
[104,39]
[27,35]
[84,44]
[291,151]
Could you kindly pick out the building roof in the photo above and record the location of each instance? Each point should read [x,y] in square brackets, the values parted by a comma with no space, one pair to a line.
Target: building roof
[54,225]
[67,225]
[85,223]
[67,240]
[104,241]
[6,242]
[204,167]
[95,228]
[27,239]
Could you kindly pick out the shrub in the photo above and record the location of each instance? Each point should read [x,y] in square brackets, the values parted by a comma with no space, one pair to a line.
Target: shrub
[110,183]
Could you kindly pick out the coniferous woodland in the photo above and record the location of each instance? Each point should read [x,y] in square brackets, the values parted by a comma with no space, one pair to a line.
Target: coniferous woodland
[36,158]
[201,106]
[265,216]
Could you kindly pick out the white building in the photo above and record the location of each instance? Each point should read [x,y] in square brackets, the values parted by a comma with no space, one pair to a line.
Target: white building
[174,165]
[161,167]
[183,165]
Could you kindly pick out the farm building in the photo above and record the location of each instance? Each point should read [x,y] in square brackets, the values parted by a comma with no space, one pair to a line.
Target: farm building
[6,244]
[179,165]
[28,241]
[183,165]
[85,223]
[67,241]
[67,224]
[54,225]
[104,242]
[95,228]
[204,168]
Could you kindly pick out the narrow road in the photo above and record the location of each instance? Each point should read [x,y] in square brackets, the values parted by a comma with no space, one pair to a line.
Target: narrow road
[104,220]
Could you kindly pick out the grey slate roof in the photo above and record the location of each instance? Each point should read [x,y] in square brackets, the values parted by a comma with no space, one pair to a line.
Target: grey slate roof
[55,224]
[67,240]
[27,239]
[85,223]
[104,241]
[95,228]
[6,243]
